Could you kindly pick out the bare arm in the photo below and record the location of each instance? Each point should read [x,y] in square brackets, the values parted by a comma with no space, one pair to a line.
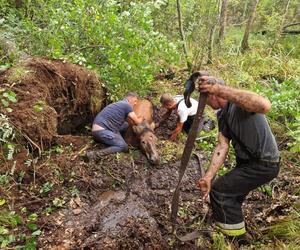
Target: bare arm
[176,131]
[137,120]
[218,158]
[247,100]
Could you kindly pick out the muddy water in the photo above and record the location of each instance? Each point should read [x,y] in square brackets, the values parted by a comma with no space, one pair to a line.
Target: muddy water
[106,197]
[131,219]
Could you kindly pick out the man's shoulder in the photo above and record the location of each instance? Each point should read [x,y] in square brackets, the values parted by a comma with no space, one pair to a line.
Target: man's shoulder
[122,103]
[178,98]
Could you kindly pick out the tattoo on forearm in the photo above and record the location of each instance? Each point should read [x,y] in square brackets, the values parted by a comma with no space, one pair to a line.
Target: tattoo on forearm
[248,101]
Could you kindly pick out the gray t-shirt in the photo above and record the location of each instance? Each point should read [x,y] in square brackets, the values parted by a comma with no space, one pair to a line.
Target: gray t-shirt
[113,116]
[251,129]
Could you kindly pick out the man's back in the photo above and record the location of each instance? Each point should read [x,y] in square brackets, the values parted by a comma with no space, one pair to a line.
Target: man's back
[182,110]
[113,115]
[252,130]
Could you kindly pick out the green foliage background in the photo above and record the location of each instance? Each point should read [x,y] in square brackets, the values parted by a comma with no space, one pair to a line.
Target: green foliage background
[119,42]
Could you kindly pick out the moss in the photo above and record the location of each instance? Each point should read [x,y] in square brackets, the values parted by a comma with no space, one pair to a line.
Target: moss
[170,151]
[18,74]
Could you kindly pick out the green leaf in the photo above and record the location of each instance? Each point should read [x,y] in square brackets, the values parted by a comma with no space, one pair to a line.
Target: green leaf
[58,202]
[6,240]
[32,226]
[2,202]
[11,96]
[3,230]
[5,103]
[32,217]
[39,107]
[30,244]
[23,210]
[36,233]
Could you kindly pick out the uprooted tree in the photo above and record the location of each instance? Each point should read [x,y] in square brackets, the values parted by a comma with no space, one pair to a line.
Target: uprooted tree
[43,98]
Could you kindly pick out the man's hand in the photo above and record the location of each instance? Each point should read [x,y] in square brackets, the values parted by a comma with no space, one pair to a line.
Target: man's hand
[157,125]
[209,84]
[173,137]
[205,186]
[177,131]
[136,119]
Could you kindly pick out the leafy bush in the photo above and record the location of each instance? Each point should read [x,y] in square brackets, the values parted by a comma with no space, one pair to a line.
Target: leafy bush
[121,44]
[285,108]
[7,135]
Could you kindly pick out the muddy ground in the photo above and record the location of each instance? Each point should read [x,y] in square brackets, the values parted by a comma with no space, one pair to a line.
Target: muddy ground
[123,202]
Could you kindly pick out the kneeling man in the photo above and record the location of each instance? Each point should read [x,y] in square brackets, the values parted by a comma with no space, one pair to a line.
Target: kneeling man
[111,122]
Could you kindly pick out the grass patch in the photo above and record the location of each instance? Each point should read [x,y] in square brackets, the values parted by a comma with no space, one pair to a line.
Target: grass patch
[287,230]
[9,219]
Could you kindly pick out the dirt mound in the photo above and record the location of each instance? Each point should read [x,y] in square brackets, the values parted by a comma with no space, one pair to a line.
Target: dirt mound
[53,97]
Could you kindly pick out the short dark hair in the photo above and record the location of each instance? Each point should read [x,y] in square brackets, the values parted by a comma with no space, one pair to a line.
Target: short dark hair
[131,94]
[215,80]
[166,98]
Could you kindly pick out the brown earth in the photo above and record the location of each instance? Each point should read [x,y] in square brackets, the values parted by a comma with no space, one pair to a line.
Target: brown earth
[54,97]
[122,202]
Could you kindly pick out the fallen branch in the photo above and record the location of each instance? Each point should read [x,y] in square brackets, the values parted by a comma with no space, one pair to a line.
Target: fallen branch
[294,32]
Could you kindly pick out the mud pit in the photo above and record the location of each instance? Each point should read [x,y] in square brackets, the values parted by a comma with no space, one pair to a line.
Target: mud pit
[132,216]
[124,203]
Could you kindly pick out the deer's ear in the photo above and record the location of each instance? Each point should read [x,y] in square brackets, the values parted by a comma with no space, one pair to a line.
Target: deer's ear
[137,129]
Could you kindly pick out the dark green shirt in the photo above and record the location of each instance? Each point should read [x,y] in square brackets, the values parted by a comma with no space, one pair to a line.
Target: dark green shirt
[251,129]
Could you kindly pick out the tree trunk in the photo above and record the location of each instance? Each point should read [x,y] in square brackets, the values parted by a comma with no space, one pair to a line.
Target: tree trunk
[18,4]
[245,44]
[244,11]
[189,65]
[210,44]
[223,20]
[278,34]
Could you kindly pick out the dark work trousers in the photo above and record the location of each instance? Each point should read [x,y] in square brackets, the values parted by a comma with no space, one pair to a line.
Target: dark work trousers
[229,191]
[188,124]
[114,140]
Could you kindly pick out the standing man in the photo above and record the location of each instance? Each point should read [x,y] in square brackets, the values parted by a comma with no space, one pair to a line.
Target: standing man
[242,121]
[185,115]
[110,122]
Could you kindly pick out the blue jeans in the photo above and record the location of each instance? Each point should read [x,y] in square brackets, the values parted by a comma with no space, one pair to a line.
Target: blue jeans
[114,140]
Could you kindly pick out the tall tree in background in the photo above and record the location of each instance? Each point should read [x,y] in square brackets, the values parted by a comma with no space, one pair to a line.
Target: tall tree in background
[211,44]
[223,20]
[279,31]
[245,44]
[181,31]
[245,10]
[18,3]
